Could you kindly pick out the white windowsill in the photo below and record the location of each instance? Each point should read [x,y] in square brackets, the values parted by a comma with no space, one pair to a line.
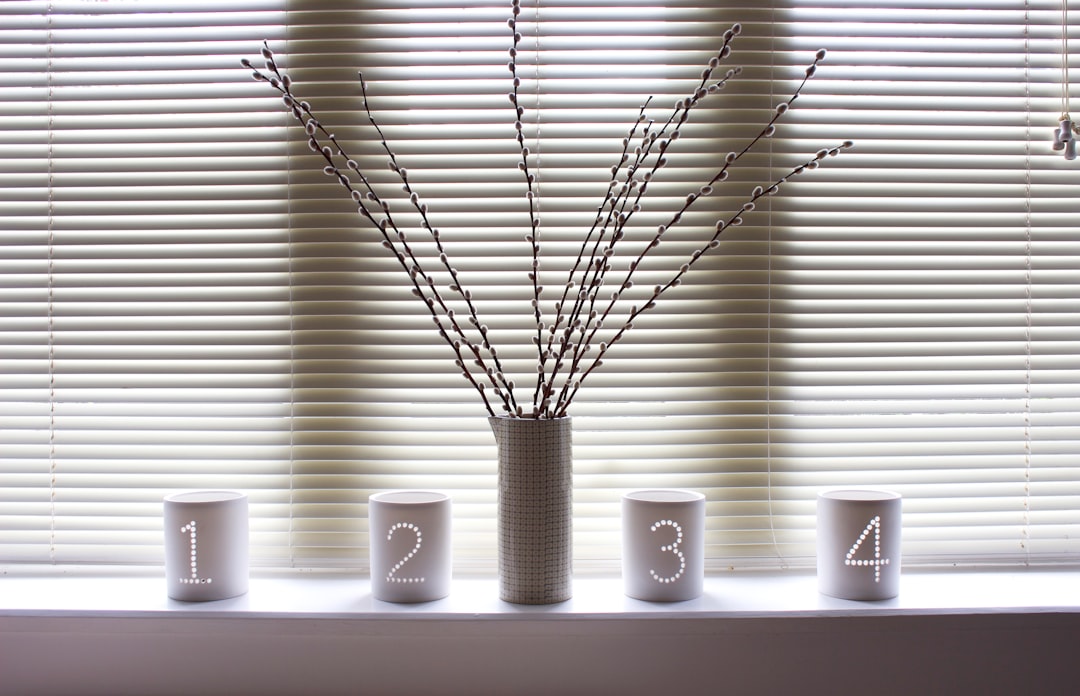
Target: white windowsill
[955,631]
[116,593]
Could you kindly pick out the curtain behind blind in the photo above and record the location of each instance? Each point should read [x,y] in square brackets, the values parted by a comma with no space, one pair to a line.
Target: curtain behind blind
[193,304]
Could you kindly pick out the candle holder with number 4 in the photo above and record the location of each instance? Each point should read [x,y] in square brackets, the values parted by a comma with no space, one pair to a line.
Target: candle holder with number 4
[858,544]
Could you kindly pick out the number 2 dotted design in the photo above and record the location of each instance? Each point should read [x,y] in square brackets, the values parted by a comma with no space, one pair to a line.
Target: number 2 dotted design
[673,548]
[408,557]
[194,579]
[875,526]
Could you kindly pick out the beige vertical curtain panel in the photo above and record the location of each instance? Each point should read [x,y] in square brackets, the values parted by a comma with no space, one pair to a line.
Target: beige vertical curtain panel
[188,302]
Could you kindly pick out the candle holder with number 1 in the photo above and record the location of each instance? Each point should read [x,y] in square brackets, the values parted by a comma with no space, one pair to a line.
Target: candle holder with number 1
[206,545]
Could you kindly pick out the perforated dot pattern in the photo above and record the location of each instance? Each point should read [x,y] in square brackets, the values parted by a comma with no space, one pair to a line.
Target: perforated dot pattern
[193,578]
[877,562]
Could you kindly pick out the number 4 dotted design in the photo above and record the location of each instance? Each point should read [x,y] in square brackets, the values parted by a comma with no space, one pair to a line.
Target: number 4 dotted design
[875,526]
[390,535]
[673,548]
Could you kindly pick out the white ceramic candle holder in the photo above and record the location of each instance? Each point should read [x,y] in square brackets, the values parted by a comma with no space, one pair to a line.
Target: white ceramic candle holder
[410,545]
[858,544]
[206,545]
[663,548]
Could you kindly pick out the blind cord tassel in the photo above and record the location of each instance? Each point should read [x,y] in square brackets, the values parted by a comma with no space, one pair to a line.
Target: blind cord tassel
[1065,135]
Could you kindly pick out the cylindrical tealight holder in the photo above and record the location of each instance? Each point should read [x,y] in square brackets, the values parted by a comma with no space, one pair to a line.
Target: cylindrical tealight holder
[663,544]
[206,545]
[858,544]
[410,545]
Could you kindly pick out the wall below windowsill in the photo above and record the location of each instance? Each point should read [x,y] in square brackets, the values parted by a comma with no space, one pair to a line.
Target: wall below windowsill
[111,632]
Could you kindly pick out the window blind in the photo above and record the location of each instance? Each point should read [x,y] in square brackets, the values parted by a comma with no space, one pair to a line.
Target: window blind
[924,291]
[188,302]
[144,265]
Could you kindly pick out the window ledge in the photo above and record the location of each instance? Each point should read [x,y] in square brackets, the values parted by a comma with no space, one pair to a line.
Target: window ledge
[117,633]
[111,593]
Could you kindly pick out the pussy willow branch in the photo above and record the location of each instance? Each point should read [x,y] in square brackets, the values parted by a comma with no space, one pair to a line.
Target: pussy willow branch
[734,220]
[562,361]
[556,331]
[401,249]
[504,387]
[627,206]
[619,205]
[533,237]
[589,334]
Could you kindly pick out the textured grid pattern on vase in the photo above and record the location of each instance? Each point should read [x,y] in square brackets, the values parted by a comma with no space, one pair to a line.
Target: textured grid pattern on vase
[535,516]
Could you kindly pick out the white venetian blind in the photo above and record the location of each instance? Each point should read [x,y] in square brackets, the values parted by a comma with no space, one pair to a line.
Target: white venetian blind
[188,302]
[925,291]
[144,298]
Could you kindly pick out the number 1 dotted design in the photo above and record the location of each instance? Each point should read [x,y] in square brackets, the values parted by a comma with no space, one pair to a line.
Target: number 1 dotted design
[194,579]
[416,530]
[875,526]
[673,548]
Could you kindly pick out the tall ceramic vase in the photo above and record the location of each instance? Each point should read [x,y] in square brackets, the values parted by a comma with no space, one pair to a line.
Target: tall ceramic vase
[535,517]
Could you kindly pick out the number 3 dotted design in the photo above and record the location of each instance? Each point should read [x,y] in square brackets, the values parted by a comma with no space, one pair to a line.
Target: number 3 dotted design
[875,526]
[194,579]
[673,548]
[408,557]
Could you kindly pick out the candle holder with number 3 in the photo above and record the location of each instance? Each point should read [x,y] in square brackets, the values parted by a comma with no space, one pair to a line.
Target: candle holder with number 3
[663,544]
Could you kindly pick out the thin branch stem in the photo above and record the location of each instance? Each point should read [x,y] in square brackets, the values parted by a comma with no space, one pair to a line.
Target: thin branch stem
[497,375]
[734,220]
[402,251]
[533,237]
[564,343]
